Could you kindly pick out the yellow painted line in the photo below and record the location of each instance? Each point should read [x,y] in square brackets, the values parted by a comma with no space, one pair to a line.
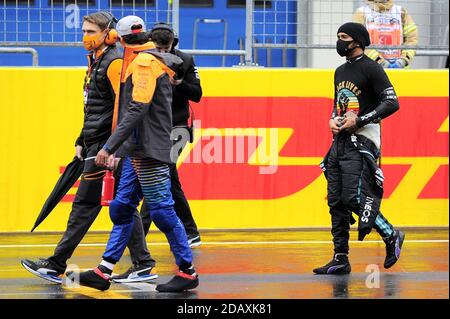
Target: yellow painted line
[59,293]
[94,293]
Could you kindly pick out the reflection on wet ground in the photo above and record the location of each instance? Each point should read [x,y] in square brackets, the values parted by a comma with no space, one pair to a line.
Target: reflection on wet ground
[247,265]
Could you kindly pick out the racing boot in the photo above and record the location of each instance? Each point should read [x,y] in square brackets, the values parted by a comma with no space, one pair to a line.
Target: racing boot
[339,265]
[393,248]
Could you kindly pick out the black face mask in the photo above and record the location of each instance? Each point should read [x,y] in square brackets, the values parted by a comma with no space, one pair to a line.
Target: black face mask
[342,47]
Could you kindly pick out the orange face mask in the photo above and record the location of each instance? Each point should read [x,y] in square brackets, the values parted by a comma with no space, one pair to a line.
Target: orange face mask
[92,42]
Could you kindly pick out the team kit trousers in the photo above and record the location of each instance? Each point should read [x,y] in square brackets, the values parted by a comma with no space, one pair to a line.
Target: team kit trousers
[354,186]
[85,208]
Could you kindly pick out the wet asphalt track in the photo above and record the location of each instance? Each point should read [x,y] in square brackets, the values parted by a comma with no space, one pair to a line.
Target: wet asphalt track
[246,265]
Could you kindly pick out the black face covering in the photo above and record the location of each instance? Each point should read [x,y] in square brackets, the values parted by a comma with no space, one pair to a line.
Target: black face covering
[342,47]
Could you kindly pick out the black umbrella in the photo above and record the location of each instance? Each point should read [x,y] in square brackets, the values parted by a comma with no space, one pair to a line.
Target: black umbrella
[65,182]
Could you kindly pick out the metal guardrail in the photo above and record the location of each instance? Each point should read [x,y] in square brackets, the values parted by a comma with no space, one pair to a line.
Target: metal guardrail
[420,50]
[301,25]
[211,21]
[305,25]
[80,44]
[52,22]
[33,52]
[215,52]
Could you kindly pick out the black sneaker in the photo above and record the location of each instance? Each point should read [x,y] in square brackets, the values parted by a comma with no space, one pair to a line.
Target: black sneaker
[194,240]
[43,269]
[393,248]
[339,265]
[181,282]
[93,278]
[136,273]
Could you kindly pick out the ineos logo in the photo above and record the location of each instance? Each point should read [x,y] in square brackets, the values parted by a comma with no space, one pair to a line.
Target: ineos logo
[367,210]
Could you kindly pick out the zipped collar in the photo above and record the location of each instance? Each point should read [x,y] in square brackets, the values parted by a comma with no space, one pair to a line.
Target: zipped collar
[91,55]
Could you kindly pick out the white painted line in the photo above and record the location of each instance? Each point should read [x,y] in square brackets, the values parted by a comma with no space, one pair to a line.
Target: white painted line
[304,242]
[128,290]
[308,242]
[139,286]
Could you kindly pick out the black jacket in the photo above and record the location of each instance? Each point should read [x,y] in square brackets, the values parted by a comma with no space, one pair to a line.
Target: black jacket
[189,90]
[99,99]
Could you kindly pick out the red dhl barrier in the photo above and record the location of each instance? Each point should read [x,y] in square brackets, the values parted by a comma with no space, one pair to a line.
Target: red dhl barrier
[413,132]
[241,108]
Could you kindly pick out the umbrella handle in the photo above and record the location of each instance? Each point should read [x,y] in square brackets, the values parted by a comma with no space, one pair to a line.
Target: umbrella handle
[93,157]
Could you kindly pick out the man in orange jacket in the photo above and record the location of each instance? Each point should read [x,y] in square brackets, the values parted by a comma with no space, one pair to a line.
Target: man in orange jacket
[142,139]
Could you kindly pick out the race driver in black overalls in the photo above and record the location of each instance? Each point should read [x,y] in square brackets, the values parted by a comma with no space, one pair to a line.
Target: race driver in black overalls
[363,96]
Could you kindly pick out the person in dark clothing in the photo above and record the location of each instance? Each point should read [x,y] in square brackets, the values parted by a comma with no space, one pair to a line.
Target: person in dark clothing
[143,141]
[101,86]
[186,87]
[363,97]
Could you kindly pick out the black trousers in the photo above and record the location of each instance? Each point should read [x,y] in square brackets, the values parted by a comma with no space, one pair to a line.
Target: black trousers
[137,245]
[85,208]
[351,188]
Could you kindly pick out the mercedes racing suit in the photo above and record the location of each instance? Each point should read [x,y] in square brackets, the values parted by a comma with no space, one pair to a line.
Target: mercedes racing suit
[355,182]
